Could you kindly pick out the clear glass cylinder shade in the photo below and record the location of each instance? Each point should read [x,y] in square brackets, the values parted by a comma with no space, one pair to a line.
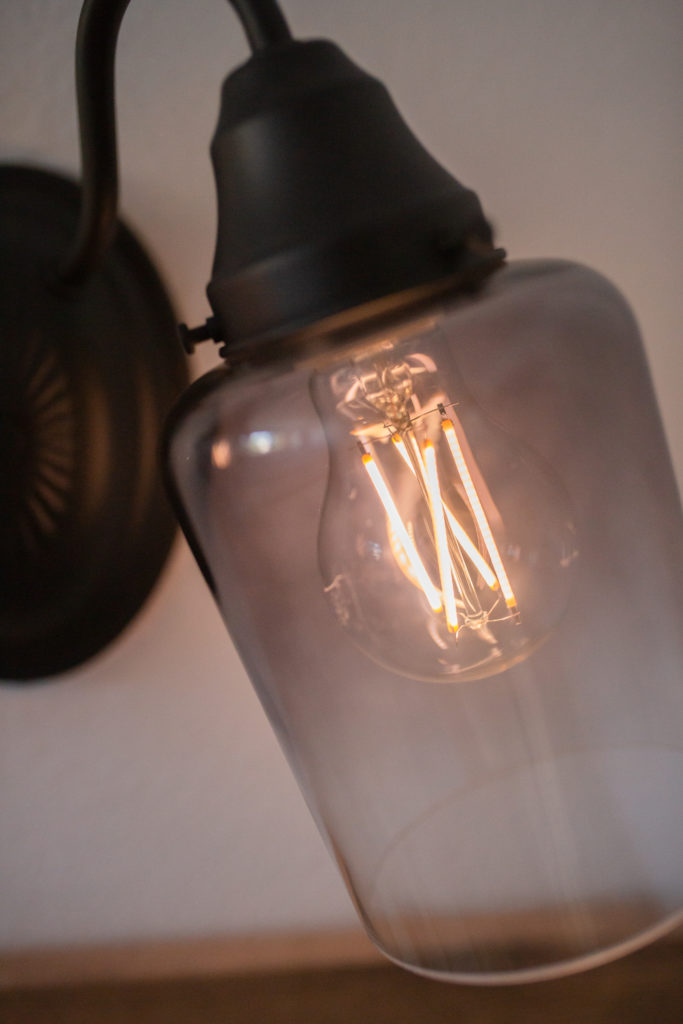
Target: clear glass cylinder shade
[450,556]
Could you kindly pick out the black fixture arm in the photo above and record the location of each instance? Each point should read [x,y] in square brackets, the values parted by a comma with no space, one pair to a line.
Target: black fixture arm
[98,29]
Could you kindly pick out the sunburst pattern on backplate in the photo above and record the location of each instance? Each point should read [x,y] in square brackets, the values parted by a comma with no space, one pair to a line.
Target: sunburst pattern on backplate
[44,431]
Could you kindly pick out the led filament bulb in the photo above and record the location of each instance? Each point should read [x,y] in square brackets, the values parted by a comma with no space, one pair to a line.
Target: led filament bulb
[458,558]
[445,548]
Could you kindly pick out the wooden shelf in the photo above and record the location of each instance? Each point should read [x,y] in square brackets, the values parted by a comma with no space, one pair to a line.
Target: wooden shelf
[643,988]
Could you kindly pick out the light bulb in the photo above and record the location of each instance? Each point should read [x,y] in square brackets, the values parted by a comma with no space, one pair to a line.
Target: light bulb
[446,548]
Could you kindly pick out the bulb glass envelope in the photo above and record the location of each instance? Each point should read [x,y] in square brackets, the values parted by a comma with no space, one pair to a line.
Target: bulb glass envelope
[496,765]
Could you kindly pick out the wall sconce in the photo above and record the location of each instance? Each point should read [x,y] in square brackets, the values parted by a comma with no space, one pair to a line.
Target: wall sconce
[429,491]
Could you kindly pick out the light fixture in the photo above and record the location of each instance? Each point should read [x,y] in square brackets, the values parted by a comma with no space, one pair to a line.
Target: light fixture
[431,495]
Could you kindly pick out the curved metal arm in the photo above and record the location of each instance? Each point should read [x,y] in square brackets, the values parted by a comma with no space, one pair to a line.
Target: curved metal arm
[98,29]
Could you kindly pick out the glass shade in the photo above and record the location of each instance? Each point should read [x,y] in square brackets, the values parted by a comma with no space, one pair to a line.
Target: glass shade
[449,554]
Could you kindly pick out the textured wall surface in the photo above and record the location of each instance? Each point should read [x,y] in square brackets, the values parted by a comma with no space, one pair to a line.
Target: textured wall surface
[144,795]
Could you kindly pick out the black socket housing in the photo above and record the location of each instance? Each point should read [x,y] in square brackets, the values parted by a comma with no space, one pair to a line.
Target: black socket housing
[329,209]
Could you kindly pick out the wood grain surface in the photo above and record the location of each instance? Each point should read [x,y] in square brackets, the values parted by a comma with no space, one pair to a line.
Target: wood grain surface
[643,988]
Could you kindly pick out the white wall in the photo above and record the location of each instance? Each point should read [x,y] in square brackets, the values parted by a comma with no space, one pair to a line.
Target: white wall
[144,795]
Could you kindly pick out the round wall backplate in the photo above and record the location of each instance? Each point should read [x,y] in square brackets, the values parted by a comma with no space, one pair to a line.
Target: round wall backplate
[86,380]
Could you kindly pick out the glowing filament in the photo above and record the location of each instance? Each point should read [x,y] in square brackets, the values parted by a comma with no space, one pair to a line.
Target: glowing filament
[470,550]
[458,532]
[401,449]
[417,568]
[478,512]
[440,536]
